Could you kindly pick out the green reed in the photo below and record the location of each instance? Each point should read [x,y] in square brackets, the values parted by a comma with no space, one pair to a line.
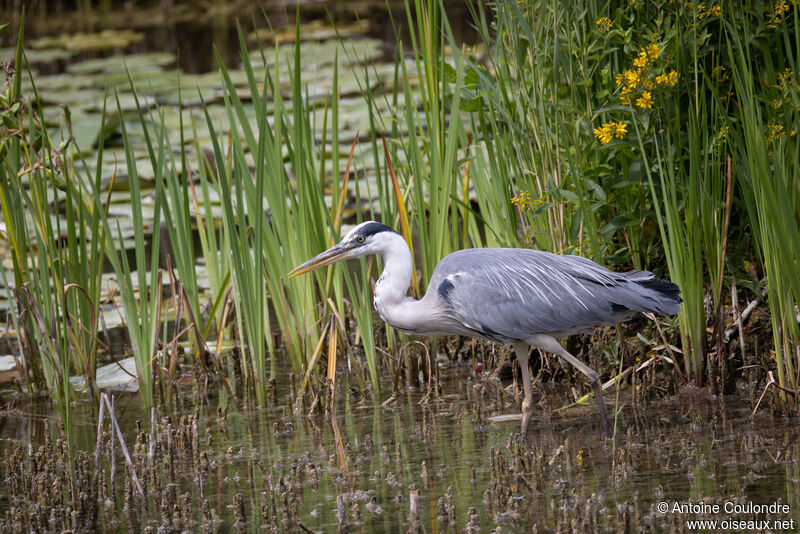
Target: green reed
[141,297]
[54,238]
[273,219]
[768,154]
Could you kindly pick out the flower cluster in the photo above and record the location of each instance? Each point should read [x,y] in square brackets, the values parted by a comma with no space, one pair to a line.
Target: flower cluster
[609,130]
[721,138]
[720,74]
[774,133]
[780,8]
[523,201]
[701,11]
[667,79]
[604,24]
[636,85]
[645,101]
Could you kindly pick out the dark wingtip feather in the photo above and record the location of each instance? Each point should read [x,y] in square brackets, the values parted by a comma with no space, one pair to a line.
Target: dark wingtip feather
[668,291]
[665,287]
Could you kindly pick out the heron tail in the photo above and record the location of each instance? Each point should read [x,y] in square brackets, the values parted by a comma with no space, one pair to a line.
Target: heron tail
[664,296]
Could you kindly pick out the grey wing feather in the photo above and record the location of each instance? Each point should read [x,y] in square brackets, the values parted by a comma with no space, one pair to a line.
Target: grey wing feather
[510,294]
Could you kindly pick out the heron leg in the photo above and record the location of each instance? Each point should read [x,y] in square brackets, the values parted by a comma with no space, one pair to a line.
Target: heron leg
[521,349]
[550,344]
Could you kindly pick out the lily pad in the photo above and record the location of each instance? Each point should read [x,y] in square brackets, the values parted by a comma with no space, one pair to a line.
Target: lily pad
[7,363]
[134,62]
[316,55]
[316,30]
[81,42]
[36,56]
[118,376]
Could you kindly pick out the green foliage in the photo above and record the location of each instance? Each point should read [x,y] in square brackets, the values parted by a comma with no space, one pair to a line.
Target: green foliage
[768,154]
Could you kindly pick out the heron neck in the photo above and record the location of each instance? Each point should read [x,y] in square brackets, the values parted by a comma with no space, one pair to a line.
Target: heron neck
[397,266]
[390,300]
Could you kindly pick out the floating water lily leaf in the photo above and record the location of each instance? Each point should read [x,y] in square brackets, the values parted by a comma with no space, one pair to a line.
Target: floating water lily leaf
[320,84]
[104,40]
[116,63]
[46,56]
[70,96]
[7,363]
[316,55]
[59,82]
[84,134]
[316,30]
[119,376]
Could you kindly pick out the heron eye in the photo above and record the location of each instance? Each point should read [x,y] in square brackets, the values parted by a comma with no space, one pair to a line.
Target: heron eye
[360,239]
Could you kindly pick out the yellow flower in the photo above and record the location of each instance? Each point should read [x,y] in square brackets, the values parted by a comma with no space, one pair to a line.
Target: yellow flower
[605,133]
[645,101]
[632,78]
[670,78]
[774,132]
[653,50]
[715,11]
[625,100]
[620,130]
[641,61]
[619,78]
[603,24]
[522,200]
[781,7]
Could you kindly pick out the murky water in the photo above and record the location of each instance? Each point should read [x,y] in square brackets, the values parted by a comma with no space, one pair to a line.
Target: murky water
[271,467]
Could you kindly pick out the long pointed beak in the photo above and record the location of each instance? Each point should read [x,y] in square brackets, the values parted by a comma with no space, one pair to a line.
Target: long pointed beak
[332,255]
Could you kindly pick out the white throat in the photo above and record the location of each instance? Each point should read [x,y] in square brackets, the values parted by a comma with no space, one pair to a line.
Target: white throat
[390,299]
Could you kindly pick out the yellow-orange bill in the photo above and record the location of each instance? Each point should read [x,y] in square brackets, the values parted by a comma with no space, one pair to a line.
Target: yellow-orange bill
[332,255]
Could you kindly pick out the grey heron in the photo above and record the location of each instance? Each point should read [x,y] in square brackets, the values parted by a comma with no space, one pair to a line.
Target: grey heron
[523,297]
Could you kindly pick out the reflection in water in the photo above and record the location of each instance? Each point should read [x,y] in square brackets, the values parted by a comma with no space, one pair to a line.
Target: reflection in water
[360,467]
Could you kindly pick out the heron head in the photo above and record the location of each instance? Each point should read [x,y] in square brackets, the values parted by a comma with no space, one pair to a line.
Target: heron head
[362,240]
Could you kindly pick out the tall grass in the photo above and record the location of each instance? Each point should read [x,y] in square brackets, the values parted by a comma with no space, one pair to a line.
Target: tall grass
[141,296]
[54,237]
[533,107]
[768,158]
[282,203]
[434,136]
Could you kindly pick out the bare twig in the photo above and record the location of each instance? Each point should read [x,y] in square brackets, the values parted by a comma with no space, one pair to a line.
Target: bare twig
[745,315]
[672,358]
[104,398]
[770,382]
[738,315]
[99,443]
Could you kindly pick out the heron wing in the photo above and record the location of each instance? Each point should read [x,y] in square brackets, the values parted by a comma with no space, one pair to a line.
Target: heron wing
[510,294]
